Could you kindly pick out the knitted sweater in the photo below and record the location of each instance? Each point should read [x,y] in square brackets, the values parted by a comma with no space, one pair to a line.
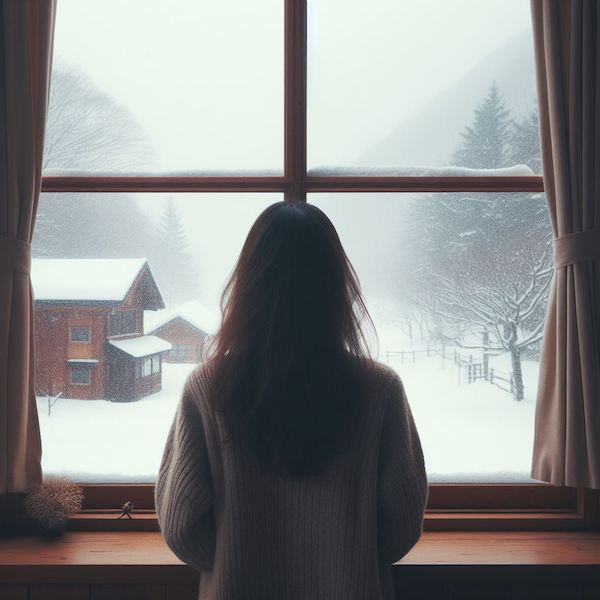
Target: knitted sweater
[254,536]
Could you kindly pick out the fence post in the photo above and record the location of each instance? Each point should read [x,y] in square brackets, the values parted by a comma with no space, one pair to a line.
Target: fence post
[491,375]
[485,342]
[427,349]
[414,356]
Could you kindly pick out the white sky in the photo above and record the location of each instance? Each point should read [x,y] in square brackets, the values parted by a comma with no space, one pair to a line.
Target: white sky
[205,77]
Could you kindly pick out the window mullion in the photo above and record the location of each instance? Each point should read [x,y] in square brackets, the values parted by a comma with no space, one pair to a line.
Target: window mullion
[295,100]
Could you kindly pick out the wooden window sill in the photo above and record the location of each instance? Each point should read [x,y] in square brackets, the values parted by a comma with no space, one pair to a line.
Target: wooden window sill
[449,557]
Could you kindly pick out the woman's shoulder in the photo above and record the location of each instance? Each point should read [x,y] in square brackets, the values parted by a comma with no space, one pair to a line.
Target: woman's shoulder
[374,369]
[377,375]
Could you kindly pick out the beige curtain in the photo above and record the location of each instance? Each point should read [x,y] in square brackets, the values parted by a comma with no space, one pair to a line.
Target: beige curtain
[567,428]
[26,32]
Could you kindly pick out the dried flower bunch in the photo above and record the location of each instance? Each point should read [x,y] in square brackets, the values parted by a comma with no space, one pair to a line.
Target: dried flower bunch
[53,501]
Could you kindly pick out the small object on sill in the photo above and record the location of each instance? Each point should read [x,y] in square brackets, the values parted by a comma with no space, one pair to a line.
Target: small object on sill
[51,503]
[127,509]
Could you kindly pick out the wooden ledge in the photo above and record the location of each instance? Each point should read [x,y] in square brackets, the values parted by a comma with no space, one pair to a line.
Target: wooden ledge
[143,557]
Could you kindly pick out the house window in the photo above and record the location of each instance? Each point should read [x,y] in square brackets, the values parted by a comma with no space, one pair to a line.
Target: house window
[80,374]
[156,364]
[122,322]
[377,112]
[80,334]
[178,352]
[147,366]
[144,367]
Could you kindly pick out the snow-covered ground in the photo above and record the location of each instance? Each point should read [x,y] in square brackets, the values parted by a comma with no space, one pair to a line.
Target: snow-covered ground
[96,440]
[470,432]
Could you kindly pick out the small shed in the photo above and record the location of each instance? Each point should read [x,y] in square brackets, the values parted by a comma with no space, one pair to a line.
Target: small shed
[135,364]
[186,327]
[83,307]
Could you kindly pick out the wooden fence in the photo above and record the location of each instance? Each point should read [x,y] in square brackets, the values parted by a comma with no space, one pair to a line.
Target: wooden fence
[475,369]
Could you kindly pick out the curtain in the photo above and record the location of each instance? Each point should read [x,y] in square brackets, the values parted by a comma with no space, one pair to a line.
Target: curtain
[567,425]
[26,33]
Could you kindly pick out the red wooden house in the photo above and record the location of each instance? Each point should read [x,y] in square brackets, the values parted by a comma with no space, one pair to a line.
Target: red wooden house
[89,328]
[185,327]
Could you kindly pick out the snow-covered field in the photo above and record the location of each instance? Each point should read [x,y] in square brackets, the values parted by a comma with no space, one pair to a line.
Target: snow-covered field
[96,440]
[470,432]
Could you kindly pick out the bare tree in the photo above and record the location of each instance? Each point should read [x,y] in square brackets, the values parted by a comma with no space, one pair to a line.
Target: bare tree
[87,130]
[510,312]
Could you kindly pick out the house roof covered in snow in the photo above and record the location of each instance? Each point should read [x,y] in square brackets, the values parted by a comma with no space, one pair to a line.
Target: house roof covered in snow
[91,280]
[193,312]
[144,345]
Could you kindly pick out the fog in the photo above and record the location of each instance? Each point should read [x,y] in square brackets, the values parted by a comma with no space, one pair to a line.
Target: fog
[205,78]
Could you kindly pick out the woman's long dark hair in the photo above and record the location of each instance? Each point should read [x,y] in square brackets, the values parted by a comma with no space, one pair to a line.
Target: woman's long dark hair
[287,357]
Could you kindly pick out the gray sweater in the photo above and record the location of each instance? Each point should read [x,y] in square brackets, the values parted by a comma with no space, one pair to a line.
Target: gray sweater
[254,536]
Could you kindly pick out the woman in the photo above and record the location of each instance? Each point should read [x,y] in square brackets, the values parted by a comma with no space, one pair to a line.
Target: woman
[293,468]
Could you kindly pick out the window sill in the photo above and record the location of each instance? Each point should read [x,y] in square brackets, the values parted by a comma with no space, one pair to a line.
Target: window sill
[485,521]
[450,557]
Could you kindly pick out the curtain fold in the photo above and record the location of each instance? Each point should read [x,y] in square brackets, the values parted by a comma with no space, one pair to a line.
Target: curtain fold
[567,425]
[26,34]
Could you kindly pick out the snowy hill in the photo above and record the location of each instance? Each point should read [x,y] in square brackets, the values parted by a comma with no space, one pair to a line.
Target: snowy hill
[431,136]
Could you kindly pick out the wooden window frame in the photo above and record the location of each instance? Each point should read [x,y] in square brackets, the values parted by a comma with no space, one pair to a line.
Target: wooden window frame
[451,506]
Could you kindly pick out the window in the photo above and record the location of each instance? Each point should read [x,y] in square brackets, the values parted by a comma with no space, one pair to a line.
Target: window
[369,110]
[392,85]
[147,366]
[179,352]
[191,275]
[80,334]
[80,374]
[122,322]
[457,286]
[156,364]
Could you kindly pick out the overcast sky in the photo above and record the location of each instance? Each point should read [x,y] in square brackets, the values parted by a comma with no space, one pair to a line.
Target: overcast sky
[205,77]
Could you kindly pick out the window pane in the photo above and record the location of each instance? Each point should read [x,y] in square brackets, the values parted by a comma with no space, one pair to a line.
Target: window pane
[417,87]
[99,256]
[80,374]
[154,86]
[457,287]
[80,334]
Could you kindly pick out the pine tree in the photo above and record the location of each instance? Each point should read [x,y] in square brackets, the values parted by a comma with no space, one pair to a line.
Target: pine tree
[172,263]
[485,143]
[525,142]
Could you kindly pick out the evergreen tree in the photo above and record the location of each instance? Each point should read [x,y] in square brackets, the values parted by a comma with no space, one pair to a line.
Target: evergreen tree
[485,143]
[525,143]
[173,265]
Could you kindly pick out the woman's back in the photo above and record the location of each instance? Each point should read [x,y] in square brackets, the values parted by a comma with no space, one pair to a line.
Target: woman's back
[293,469]
[256,535]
